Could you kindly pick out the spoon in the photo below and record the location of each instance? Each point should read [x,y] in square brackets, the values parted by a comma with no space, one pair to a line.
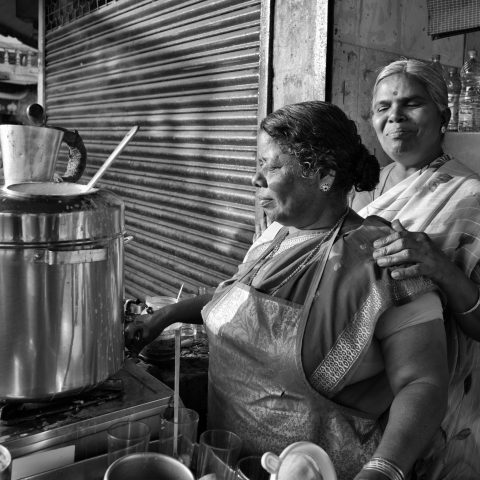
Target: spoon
[111,158]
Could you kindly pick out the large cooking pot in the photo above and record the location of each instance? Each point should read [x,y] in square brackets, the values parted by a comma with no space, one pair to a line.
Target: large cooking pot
[61,289]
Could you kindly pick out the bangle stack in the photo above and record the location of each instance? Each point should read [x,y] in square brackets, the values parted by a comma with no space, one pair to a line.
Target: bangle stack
[471,310]
[386,467]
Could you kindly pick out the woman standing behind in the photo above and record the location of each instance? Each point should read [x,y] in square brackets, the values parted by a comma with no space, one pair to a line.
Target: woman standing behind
[426,190]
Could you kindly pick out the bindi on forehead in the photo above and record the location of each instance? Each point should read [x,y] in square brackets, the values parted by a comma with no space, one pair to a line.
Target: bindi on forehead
[395,92]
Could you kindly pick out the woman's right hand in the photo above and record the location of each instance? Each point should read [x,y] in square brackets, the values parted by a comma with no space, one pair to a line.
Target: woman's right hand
[410,254]
[142,330]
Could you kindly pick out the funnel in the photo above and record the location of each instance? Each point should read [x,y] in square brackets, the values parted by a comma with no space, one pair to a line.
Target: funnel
[29,154]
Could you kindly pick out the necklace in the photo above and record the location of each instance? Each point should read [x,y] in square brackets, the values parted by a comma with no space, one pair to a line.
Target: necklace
[308,259]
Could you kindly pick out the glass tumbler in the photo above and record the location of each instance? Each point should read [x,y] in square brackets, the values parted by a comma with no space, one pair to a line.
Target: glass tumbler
[127,437]
[181,447]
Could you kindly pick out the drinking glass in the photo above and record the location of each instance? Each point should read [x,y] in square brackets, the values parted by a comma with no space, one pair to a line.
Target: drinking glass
[211,467]
[127,437]
[218,453]
[187,426]
[250,468]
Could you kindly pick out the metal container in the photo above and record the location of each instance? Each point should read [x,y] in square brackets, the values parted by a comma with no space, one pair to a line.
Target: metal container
[61,289]
[147,466]
[29,153]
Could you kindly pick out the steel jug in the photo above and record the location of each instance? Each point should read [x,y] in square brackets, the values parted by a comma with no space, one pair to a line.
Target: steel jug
[30,152]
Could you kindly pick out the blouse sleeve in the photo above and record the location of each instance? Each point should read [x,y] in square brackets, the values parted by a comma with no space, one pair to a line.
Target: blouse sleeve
[425,308]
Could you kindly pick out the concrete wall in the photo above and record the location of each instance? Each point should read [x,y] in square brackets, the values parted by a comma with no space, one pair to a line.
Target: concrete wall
[299,51]
[367,34]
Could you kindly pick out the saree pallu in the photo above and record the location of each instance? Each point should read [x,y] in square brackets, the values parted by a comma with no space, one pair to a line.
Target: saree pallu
[258,387]
[444,202]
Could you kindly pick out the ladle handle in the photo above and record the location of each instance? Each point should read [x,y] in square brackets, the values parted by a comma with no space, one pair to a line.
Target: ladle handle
[111,158]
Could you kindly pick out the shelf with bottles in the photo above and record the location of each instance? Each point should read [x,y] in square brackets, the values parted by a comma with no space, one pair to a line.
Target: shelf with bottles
[463,86]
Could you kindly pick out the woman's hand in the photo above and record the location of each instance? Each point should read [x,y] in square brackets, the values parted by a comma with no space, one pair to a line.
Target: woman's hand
[411,254]
[142,331]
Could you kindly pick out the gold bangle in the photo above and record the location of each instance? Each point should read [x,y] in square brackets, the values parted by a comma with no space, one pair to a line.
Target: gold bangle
[471,310]
[386,467]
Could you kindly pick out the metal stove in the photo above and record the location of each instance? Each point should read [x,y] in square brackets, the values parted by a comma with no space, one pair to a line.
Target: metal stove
[82,421]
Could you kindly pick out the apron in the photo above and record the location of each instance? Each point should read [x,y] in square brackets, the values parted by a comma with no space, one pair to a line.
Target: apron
[257,385]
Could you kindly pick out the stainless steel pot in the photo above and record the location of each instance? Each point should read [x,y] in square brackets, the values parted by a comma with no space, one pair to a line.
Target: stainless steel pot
[61,289]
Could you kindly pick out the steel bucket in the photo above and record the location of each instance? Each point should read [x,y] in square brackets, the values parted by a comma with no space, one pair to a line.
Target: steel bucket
[29,154]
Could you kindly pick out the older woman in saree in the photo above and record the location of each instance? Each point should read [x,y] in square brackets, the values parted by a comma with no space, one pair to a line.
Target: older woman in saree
[426,190]
[311,340]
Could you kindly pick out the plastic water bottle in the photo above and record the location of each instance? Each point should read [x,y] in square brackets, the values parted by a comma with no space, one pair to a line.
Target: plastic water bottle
[469,111]
[438,66]
[454,87]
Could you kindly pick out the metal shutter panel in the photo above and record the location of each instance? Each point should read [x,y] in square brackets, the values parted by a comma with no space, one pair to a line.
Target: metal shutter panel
[186,72]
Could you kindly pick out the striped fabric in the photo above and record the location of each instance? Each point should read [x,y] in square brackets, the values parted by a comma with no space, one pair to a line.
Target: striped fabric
[443,202]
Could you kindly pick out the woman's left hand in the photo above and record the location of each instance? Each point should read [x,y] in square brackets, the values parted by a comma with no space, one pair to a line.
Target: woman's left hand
[411,254]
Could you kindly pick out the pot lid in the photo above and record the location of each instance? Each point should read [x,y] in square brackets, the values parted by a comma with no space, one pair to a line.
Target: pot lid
[62,189]
[46,212]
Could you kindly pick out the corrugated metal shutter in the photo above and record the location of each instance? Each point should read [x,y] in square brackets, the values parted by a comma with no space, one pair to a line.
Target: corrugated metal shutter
[187,72]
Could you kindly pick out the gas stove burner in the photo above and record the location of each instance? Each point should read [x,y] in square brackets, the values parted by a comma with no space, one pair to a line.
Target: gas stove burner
[19,412]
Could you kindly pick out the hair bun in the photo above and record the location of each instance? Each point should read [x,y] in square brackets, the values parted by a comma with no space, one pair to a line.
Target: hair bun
[367,170]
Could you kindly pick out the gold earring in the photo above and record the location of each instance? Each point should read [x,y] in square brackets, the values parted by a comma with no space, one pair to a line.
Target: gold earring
[324,187]
[443,129]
